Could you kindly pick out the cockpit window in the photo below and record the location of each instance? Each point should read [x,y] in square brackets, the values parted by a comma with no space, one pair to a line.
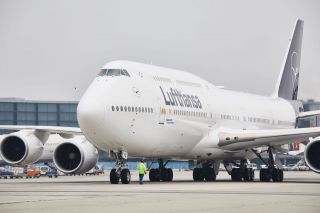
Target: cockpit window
[102,72]
[125,72]
[113,72]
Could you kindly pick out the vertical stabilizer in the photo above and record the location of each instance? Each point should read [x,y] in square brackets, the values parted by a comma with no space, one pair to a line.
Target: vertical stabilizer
[288,82]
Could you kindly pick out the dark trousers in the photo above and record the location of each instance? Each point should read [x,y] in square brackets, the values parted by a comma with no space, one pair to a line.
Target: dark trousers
[141,178]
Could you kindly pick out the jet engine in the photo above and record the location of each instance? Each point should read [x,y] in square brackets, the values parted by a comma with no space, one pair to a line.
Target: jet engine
[23,147]
[312,154]
[75,156]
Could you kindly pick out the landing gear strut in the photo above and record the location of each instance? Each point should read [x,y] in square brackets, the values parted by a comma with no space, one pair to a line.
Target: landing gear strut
[163,174]
[121,171]
[206,172]
[242,173]
[272,172]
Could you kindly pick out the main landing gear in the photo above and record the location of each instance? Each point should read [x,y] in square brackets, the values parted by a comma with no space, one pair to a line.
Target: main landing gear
[121,171]
[242,173]
[272,172]
[204,172]
[162,173]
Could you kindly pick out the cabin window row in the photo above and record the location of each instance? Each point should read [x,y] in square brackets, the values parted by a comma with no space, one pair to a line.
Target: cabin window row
[230,117]
[188,113]
[162,79]
[132,109]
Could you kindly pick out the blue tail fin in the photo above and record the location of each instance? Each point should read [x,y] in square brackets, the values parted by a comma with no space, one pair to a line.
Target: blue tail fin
[288,82]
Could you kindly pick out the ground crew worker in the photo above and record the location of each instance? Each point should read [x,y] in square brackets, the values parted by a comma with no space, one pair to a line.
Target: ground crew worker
[142,171]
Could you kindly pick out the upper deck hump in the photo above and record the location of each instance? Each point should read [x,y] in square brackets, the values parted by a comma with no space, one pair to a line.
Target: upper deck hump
[153,70]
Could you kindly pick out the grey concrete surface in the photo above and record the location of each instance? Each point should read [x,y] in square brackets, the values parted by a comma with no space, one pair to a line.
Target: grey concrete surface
[300,192]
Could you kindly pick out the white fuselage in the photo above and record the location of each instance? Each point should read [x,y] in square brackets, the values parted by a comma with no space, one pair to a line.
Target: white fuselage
[160,112]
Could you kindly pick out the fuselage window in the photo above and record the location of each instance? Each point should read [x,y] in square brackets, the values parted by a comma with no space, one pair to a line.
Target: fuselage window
[125,108]
[139,109]
[112,108]
[129,109]
[117,108]
[142,109]
[151,110]
[136,109]
[121,108]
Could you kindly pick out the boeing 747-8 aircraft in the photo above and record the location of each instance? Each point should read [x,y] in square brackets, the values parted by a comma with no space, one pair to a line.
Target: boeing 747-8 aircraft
[154,112]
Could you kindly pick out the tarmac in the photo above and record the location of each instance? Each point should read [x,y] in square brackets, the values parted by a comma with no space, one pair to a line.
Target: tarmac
[300,192]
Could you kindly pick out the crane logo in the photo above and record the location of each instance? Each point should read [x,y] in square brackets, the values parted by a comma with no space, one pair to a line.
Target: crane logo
[294,65]
[295,74]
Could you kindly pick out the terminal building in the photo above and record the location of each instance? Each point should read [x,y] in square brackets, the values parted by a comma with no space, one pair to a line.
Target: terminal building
[44,113]
[64,113]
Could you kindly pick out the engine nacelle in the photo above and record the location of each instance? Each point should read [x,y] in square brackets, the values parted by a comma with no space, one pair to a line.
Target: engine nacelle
[21,148]
[75,156]
[312,154]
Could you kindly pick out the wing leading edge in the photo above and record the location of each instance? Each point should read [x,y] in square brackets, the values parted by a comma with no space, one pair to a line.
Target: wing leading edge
[246,139]
[51,129]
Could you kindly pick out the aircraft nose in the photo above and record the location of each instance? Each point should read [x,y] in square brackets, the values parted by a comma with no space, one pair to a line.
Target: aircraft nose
[90,113]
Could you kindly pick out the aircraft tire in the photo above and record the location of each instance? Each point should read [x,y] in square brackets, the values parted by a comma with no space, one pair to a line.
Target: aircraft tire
[277,175]
[170,175]
[236,174]
[198,175]
[125,176]
[265,175]
[209,174]
[114,178]
[154,175]
[166,175]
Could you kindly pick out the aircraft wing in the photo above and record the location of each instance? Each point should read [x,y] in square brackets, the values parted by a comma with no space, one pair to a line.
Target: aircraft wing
[308,113]
[246,139]
[51,129]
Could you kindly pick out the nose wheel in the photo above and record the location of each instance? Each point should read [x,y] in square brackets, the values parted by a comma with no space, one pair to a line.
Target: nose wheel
[121,171]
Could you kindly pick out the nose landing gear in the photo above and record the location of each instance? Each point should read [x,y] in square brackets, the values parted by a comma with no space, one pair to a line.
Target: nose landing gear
[121,171]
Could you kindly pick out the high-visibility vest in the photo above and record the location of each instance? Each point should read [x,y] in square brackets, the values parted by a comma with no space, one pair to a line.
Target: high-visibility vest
[142,168]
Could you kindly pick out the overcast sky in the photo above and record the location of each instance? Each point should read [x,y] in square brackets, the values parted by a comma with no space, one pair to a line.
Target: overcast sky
[52,50]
